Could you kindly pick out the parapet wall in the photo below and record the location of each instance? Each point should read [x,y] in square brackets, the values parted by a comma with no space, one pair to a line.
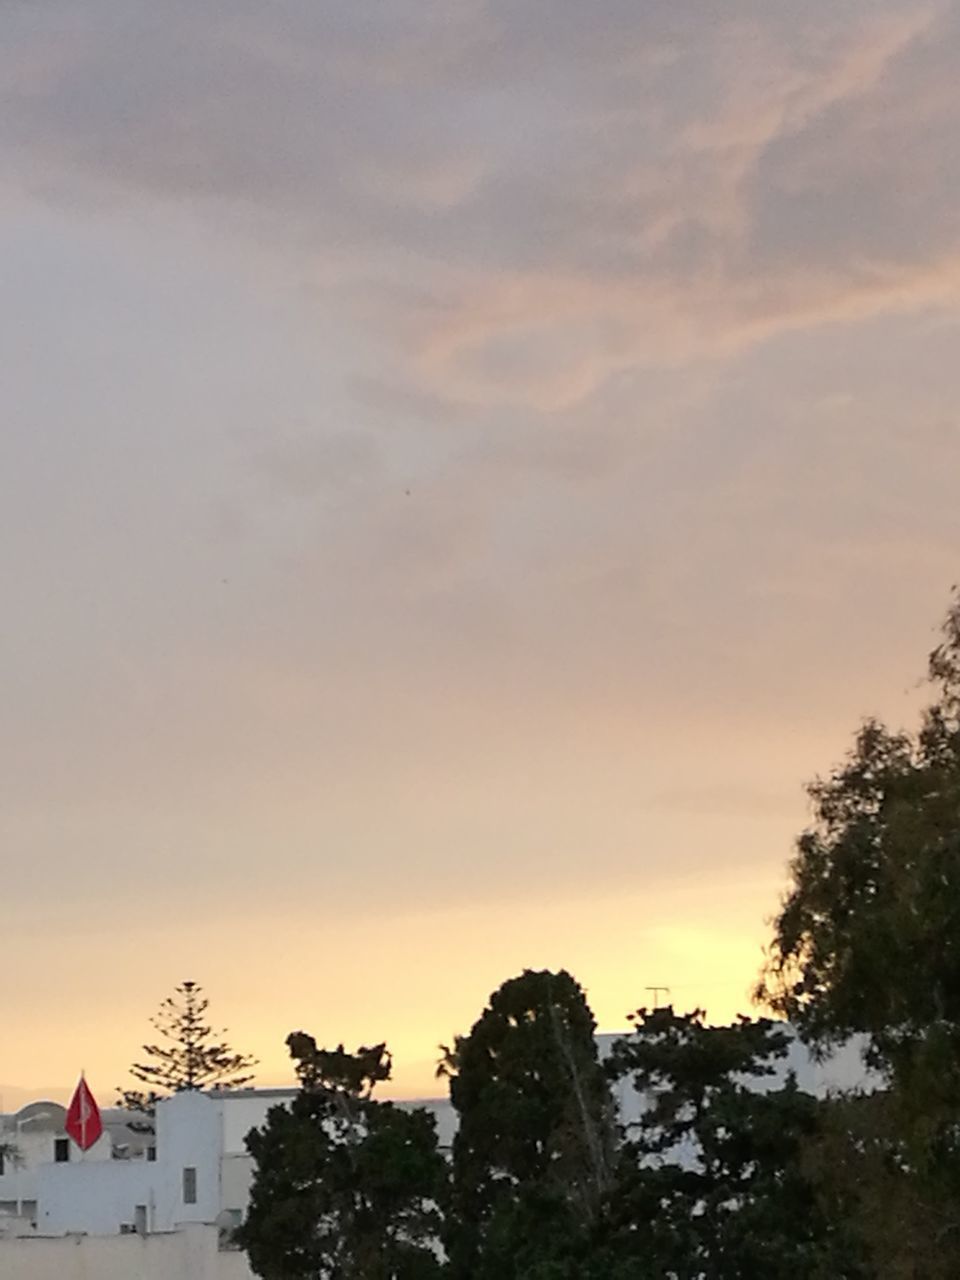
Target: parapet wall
[189,1254]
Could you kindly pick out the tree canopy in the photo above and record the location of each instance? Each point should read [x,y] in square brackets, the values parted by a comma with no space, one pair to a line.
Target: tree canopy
[867,938]
[346,1187]
[711,1179]
[533,1150]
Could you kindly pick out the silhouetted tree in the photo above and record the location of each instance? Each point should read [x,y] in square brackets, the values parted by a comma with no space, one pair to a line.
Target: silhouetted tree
[711,1180]
[189,1055]
[866,939]
[533,1152]
[345,1187]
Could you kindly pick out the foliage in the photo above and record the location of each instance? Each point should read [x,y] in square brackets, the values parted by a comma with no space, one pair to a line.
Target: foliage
[868,936]
[532,1158]
[10,1154]
[723,1174]
[711,1181]
[345,1188]
[861,1163]
[189,1055]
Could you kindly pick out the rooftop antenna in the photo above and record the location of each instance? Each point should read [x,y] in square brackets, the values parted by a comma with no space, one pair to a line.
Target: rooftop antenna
[656,991]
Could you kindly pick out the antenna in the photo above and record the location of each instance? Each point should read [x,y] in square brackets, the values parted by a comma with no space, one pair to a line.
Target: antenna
[656,991]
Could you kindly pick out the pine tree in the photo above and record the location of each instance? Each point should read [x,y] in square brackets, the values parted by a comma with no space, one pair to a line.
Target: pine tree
[189,1055]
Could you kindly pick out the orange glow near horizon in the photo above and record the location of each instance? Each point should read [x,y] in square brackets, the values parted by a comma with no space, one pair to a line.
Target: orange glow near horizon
[415,1004]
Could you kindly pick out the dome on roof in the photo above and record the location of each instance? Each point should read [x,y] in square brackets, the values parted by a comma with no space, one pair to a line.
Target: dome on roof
[41,1115]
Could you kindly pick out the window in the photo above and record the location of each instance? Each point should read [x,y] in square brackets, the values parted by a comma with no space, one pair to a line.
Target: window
[61,1150]
[1,1162]
[151,1154]
[189,1185]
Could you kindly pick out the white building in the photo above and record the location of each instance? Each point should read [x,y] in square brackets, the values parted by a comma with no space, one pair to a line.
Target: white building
[841,1071]
[194,1169]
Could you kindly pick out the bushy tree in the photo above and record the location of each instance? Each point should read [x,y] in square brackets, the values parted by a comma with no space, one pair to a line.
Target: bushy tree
[866,939]
[190,1054]
[533,1152]
[711,1180]
[345,1187]
[868,936]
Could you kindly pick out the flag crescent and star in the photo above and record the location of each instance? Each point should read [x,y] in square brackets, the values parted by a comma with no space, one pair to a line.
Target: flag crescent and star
[83,1122]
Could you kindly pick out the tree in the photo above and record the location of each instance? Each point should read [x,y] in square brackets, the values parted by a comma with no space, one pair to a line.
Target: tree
[860,1163]
[345,1187]
[868,936]
[711,1179]
[9,1153]
[190,1054]
[533,1152]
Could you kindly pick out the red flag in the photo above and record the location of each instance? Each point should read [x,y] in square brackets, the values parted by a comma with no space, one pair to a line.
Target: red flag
[83,1121]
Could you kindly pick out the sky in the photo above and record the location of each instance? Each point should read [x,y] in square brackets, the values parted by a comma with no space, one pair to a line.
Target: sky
[464,465]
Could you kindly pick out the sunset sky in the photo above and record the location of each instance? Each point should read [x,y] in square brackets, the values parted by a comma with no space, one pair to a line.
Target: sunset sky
[464,464]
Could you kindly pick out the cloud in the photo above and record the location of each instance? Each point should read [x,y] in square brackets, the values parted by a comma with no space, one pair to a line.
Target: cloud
[533,198]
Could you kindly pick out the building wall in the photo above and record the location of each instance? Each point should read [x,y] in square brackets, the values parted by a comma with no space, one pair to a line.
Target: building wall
[98,1198]
[188,1136]
[246,1110]
[189,1254]
[33,1132]
[236,1178]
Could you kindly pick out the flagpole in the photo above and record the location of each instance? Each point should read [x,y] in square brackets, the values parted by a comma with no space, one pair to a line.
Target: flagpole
[19,1132]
